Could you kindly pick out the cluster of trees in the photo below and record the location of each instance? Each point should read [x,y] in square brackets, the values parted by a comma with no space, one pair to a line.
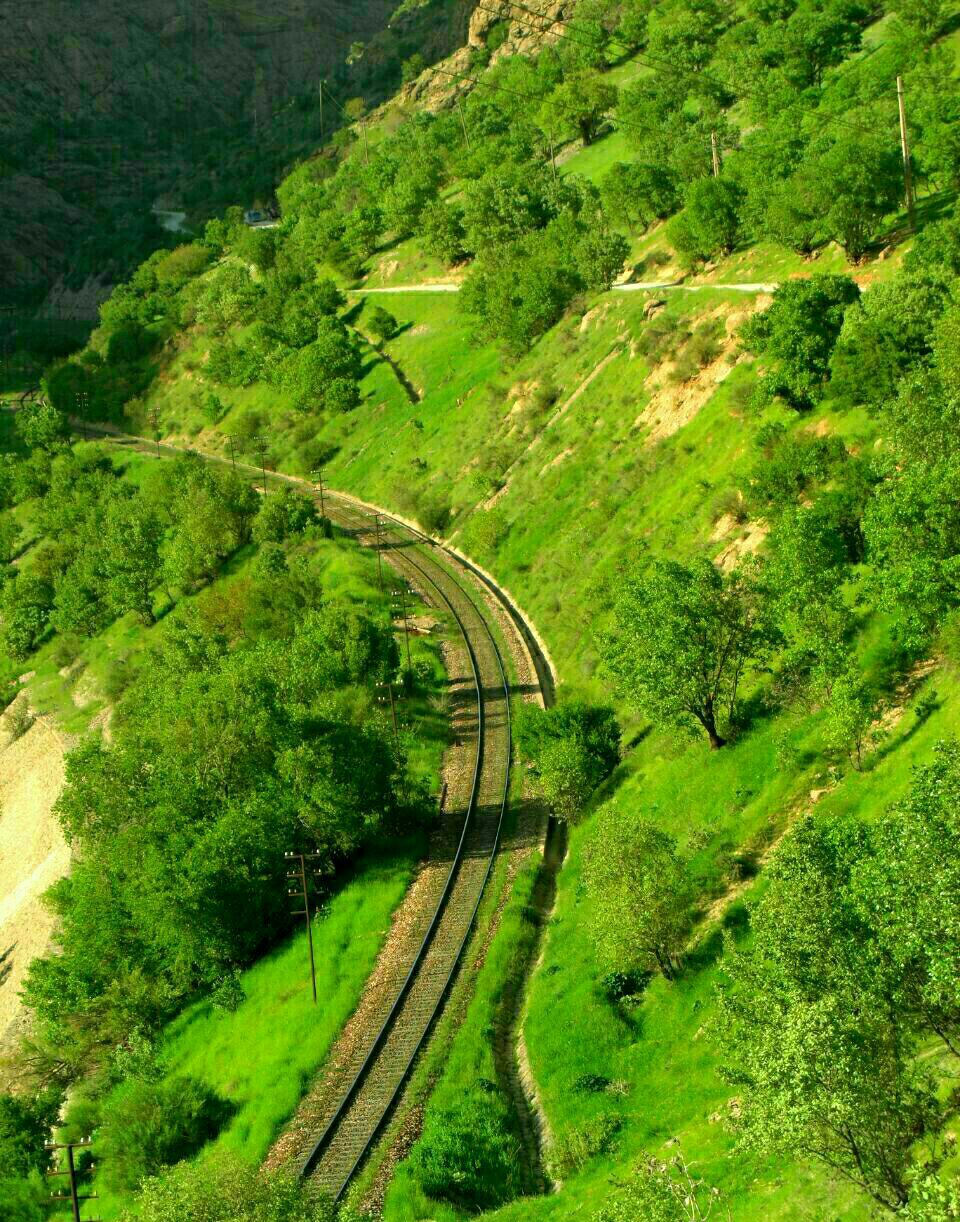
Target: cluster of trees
[538,239]
[852,968]
[817,157]
[109,547]
[253,728]
[852,963]
[256,730]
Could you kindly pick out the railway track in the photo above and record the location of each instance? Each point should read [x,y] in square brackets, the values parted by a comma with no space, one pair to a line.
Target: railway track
[375,1078]
[368,1100]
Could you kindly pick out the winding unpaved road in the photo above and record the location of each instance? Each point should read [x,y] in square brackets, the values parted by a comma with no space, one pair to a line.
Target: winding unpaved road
[641,286]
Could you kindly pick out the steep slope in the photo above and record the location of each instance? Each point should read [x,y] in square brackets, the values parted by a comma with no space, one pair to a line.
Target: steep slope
[108,106]
[576,437]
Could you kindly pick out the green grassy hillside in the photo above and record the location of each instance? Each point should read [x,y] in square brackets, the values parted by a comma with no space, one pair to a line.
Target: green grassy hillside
[581,442]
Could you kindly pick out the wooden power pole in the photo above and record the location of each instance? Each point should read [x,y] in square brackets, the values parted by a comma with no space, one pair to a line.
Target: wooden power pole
[905,150]
[299,861]
[379,551]
[716,154]
[74,1196]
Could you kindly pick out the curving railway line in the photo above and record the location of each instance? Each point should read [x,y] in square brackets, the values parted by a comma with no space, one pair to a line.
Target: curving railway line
[374,1087]
[370,1085]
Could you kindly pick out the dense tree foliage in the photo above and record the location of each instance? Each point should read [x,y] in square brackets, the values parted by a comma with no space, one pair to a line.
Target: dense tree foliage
[573,748]
[640,893]
[823,1013]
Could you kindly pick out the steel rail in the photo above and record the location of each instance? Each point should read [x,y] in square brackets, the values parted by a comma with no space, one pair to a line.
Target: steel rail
[332,1128]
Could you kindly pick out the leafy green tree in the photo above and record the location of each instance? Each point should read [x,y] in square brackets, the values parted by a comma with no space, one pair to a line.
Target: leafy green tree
[912,529]
[886,333]
[225,1189]
[332,356]
[257,247]
[799,331]
[411,68]
[80,603]
[680,642]
[183,264]
[381,324]
[851,711]
[639,892]
[41,426]
[517,295]
[709,224]
[131,556]
[229,296]
[946,351]
[812,39]
[852,182]
[284,513]
[25,1124]
[804,572]
[822,1064]
[25,605]
[932,1200]
[506,203]
[904,890]
[442,231]
[573,747]
[363,229]
[129,342]
[923,15]
[685,36]
[936,250]
[636,194]
[578,107]
[24,1200]
[404,202]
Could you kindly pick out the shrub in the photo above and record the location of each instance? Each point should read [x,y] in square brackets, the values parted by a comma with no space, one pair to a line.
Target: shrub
[573,747]
[149,1125]
[224,1189]
[576,1145]
[710,223]
[467,1155]
[283,513]
[381,324]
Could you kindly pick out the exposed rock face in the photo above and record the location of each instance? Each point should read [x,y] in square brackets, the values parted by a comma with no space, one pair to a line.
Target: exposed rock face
[436,91]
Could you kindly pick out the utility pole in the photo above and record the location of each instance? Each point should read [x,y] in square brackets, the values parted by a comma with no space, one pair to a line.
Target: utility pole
[262,448]
[155,425]
[322,129]
[393,710]
[716,154]
[317,477]
[379,551]
[553,156]
[233,453]
[463,124]
[905,149]
[82,401]
[402,595]
[299,861]
[366,146]
[74,1196]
